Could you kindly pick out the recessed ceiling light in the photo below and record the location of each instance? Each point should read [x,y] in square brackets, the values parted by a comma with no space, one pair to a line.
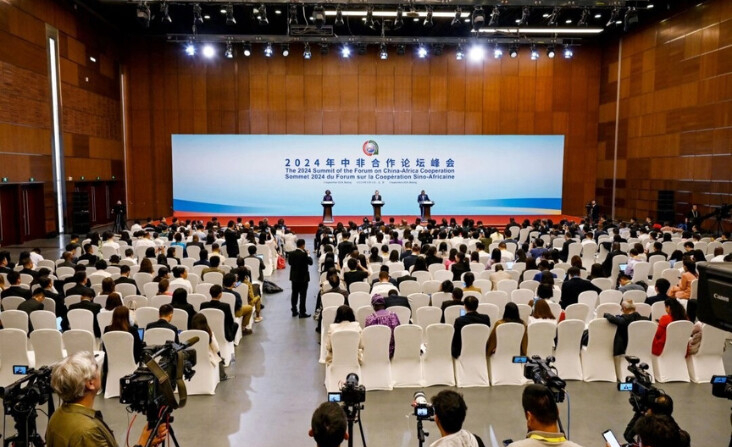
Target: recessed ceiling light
[598,16]
[545,15]
[568,21]
[92,58]
[207,17]
[650,6]
[222,11]
[278,11]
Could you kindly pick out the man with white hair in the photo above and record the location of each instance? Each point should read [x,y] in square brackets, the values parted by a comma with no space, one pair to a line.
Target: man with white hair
[77,379]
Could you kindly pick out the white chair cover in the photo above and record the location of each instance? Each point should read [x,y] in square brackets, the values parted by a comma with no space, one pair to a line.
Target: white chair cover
[13,351]
[603,283]
[206,378]
[12,302]
[147,315]
[507,285]
[437,365]
[196,299]
[611,296]
[407,288]
[402,312]
[345,359]
[528,284]
[78,340]
[640,341]
[376,368]
[588,297]
[597,356]
[327,317]
[670,366]
[125,289]
[418,300]
[567,354]
[150,289]
[442,275]
[497,297]
[47,346]
[104,319]
[451,314]
[213,278]
[158,336]
[439,298]
[430,287]
[541,338]
[471,368]
[215,318]
[491,310]
[406,366]
[361,314]
[158,300]
[120,359]
[508,344]
[136,301]
[180,319]
[43,319]
[522,296]
[524,312]
[358,299]
[359,286]
[332,299]
[708,361]
[611,308]
[658,309]
[15,319]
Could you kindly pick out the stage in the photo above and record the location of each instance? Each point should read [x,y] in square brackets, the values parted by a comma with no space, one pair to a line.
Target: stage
[308,224]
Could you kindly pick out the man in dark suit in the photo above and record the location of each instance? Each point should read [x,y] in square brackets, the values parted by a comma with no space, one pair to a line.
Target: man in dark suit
[594,212]
[230,326]
[68,258]
[345,247]
[231,236]
[354,274]
[5,266]
[124,278]
[28,268]
[376,197]
[300,262]
[252,250]
[607,264]
[87,303]
[15,289]
[471,317]
[32,305]
[422,197]
[394,299]
[575,285]
[411,258]
[693,218]
[88,256]
[662,285]
[80,288]
[564,253]
[165,314]
[195,242]
[46,285]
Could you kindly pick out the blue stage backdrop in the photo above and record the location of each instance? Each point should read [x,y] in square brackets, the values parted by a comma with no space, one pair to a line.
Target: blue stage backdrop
[286,175]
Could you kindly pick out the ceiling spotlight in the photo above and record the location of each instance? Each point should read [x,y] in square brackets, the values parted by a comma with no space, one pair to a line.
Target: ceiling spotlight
[208,51]
[513,51]
[370,17]
[319,16]
[339,16]
[247,49]
[268,52]
[292,14]
[478,18]
[230,19]
[143,14]
[428,18]
[456,19]
[585,18]
[345,51]
[631,18]
[324,47]
[459,54]
[383,54]
[554,17]
[401,49]
[285,49]
[494,16]
[229,53]
[568,53]
[190,49]
[197,14]
[551,52]
[421,51]
[260,13]
[525,13]
[164,12]
[613,17]
[534,52]
[306,53]
[650,6]
[399,20]
[598,16]
[497,52]
[476,53]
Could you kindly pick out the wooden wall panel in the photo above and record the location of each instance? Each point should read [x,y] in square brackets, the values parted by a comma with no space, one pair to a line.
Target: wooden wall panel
[675,113]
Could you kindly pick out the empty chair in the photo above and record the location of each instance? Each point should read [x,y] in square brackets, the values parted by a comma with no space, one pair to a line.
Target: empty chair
[471,368]
[81,319]
[15,319]
[597,356]
[524,311]
[213,278]
[641,270]
[497,297]
[603,283]
[43,319]
[327,317]
[426,316]
[507,285]
[643,309]
[588,297]
[125,289]
[577,311]
[196,299]
[491,310]
[670,366]
[439,298]
[430,287]
[508,344]
[47,345]
[541,338]
[422,276]
[406,365]
[376,368]
[437,364]
[567,353]
[640,341]
[452,313]
[12,302]
[672,275]
[215,318]
[78,340]
[637,296]
[359,286]
[345,359]
[135,301]
[159,300]
[362,313]
[332,299]
[206,378]
[529,284]
[49,305]
[417,300]
[158,336]
[180,319]
[104,319]
[13,351]
[556,309]
[658,309]
[707,362]
[142,278]
[120,359]
[147,315]
[403,313]
[610,296]
[407,288]
[522,296]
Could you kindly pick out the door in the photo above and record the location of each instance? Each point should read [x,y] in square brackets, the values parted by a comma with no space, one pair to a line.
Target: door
[9,228]
[33,212]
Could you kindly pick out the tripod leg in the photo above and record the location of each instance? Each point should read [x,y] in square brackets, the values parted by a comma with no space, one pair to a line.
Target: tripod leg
[172,435]
[360,428]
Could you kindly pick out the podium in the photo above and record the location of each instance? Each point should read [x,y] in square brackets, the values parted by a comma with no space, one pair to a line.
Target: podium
[377,204]
[327,211]
[425,209]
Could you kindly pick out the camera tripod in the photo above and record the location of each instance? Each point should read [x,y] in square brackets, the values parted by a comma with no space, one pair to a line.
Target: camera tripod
[154,421]
[24,417]
[421,434]
[353,414]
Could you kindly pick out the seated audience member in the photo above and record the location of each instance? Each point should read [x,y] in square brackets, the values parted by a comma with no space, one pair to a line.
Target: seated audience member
[163,273]
[457,300]
[88,255]
[596,271]
[86,303]
[180,301]
[165,315]
[50,292]
[202,258]
[469,279]
[230,326]
[572,288]
[384,285]
[121,322]
[114,300]
[345,320]
[543,292]
[214,263]
[622,322]
[542,417]
[252,250]
[180,278]
[471,317]
[32,305]
[450,411]
[674,312]
[28,266]
[200,323]
[107,286]
[146,266]
[460,266]
[497,276]
[542,312]
[683,290]
[124,278]
[14,288]
[329,425]
[394,299]
[383,317]
[242,310]
[625,283]
[355,272]
[510,315]
[662,287]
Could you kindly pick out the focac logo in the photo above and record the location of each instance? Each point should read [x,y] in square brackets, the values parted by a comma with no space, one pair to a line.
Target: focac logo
[370,148]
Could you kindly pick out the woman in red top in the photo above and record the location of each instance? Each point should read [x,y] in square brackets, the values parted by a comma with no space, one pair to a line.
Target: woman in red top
[674,312]
[683,290]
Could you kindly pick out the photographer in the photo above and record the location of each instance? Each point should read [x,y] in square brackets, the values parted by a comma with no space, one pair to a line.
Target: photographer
[450,410]
[328,425]
[77,379]
[662,405]
[660,430]
[542,417]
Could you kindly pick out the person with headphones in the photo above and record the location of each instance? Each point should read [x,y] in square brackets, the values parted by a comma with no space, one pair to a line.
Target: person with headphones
[542,419]
[662,405]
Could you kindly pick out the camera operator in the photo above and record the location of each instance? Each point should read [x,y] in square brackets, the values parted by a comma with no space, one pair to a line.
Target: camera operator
[662,405]
[542,419]
[328,425]
[450,410]
[77,379]
[659,430]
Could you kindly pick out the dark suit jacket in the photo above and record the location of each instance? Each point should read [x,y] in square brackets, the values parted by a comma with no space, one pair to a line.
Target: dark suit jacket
[89,257]
[607,264]
[374,197]
[126,280]
[654,299]
[409,261]
[354,276]
[564,253]
[31,272]
[77,290]
[94,308]
[446,304]
[458,269]
[29,306]
[232,242]
[392,301]
[230,327]
[572,288]
[422,198]
[16,291]
[163,325]
[460,322]
[344,249]
[299,262]
[60,307]
[621,334]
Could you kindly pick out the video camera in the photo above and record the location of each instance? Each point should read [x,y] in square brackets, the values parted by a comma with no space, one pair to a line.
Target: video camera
[642,392]
[153,384]
[722,386]
[20,400]
[422,408]
[351,393]
[541,372]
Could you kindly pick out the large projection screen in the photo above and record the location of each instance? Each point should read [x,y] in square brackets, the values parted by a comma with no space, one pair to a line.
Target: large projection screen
[286,175]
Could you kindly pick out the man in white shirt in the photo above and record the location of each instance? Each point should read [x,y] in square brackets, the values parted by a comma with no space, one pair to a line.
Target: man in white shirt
[450,411]
[588,238]
[36,256]
[216,251]
[130,256]
[101,267]
[136,227]
[506,256]
[109,241]
[180,275]
[383,286]
[145,241]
